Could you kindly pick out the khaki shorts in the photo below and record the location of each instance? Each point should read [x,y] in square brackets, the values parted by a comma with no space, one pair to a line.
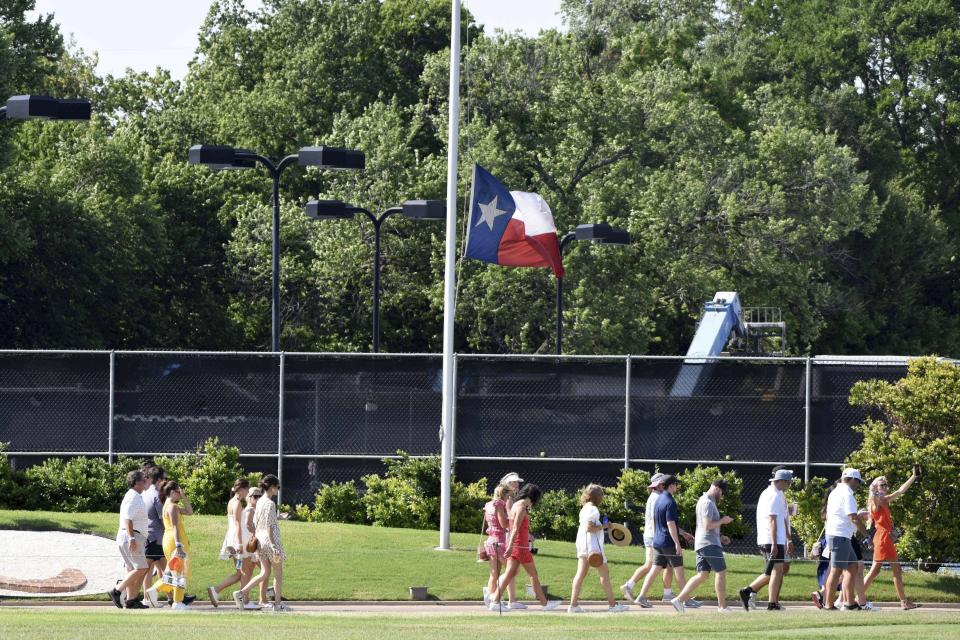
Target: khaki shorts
[136,559]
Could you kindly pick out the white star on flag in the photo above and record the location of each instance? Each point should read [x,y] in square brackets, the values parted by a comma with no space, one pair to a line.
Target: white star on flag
[490,213]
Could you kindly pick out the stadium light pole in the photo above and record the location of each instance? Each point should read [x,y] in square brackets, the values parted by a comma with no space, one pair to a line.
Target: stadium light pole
[601,233]
[219,157]
[28,107]
[413,209]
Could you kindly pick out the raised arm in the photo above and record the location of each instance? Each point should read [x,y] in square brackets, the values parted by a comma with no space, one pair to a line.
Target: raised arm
[902,490]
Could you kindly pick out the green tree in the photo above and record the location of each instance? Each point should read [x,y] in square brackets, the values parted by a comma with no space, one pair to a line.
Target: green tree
[917,422]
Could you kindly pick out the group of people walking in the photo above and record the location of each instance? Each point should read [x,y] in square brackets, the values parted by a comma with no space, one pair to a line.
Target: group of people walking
[155,549]
[840,554]
[153,543]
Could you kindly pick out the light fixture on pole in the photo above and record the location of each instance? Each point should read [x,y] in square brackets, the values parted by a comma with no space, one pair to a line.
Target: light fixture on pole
[601,233]
[413,209]
[220,157]
[29,107]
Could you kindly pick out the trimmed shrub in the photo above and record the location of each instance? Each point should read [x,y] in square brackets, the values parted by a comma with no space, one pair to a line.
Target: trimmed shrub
[338,502]
[13,487]
[206,475]
[556,516]
[78,484]
[409,496]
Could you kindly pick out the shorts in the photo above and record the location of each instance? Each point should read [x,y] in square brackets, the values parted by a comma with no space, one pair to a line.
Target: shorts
[857,549]
[710,558]
[154,551]
[133,559]
[495,548]
[664,557]
[771,562]
[841,552]
[523,556]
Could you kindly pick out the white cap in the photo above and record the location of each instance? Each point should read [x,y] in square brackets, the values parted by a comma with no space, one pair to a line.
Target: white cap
[851,473]
[510,477]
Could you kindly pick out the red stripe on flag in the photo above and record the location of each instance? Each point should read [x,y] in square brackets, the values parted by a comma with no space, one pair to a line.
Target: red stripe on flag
[517,249]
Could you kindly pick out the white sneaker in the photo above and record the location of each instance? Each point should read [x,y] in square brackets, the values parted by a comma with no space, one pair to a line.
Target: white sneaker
[677,604]
[267,606]
[575,609]
[214,599]
[551,605]
[627,591]
[179,606]
[152,594]
[238,599]
[618,608]
[869,607]
[252,606]
[694,604]
[643,602]
[495,606]
[838,602]
[486,596]
[282,608]
[724,610]
[516,606]
[753,601]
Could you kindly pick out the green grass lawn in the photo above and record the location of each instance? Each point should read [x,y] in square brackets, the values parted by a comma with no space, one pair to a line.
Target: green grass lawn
[99,624]
[351,562]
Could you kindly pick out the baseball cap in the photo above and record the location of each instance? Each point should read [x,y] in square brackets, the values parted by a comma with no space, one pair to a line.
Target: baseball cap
[851,473]
[655,480]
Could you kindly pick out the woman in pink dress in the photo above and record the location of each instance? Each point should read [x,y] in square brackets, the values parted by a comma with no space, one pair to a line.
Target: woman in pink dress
[495,518]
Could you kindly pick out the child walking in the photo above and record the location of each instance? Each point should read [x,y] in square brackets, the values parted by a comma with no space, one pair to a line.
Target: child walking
[590,550]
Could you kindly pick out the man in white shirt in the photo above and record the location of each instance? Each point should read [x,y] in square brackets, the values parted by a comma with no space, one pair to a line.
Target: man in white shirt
[843,522]
[132,540]
[773,539]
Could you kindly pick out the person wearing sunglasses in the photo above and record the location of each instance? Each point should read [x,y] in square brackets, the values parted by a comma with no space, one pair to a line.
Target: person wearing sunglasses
[884,548]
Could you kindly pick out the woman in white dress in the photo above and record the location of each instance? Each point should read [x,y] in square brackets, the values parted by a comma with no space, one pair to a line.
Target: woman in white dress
[234,546]
[590,547]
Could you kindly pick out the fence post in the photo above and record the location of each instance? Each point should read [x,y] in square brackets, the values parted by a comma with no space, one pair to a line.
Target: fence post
[280,432]
[806,423]
[453,417]
[110,414]
[626,420]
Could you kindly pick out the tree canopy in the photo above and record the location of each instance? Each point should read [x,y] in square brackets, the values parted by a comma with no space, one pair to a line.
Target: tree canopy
[805,154]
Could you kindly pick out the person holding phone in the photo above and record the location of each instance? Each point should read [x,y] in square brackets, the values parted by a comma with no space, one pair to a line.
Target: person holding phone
[884,549]
[590,548]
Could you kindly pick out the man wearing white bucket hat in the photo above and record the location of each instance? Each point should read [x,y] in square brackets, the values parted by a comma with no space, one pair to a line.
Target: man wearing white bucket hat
[843,522]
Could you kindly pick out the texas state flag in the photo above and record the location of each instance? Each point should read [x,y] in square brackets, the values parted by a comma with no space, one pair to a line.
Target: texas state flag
[512,228]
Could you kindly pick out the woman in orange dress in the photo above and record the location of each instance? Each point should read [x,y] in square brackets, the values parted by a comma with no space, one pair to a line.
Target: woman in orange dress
[884,549]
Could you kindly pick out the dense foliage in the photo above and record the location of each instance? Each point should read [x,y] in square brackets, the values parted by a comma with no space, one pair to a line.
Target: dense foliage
[918,422]
[805,154]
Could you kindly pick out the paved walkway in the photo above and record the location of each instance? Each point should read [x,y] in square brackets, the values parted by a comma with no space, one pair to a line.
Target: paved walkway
[462,608]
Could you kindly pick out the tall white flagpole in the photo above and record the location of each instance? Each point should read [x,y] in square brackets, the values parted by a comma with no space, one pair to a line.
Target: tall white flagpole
[449,281]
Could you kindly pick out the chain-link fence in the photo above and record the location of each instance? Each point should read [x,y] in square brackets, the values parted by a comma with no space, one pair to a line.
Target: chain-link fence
[559,421]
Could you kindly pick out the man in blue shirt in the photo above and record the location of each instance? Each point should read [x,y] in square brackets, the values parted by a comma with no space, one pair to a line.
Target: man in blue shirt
[667,551]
